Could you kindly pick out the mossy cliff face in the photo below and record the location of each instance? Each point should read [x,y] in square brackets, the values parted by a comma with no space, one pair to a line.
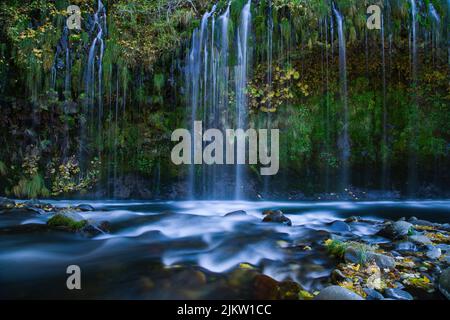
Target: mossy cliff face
[59,138]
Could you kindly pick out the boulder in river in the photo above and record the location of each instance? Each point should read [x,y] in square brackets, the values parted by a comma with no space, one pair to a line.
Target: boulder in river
[238,213]
[6,204]
[337,293]
[70,221]
[396,230]
[85,207]
[361,255]
[276,216]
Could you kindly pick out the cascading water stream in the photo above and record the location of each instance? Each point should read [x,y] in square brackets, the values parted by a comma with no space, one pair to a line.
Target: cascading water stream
[344,142]
[208,81]
[412,167]
[241,71]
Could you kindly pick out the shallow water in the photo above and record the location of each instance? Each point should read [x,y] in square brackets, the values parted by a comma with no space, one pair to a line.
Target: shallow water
[185,249]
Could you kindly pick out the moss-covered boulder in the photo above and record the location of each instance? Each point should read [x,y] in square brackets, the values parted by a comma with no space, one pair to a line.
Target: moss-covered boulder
[66,221]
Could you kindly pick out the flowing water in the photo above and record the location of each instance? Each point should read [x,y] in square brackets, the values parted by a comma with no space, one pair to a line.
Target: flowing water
[344,143]
[158,249]
[211,79]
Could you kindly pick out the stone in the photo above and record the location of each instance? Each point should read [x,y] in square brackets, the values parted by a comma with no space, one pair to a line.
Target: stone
[289,290]
[356,255]
[420,239]
[337,293]
[397,294]
[337,276]
[85,207]
[6,204]
[396,230]
[405,246]
[373,294]
[239,213]
[382,261]
[444,283]
[433,253]
[352,219]
[276,217]
[265,288]
[340,227]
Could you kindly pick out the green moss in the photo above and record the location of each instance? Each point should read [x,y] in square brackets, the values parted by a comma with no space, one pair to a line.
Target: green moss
[60,220]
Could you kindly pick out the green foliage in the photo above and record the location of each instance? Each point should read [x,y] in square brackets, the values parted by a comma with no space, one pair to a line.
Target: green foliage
[60,220]
[31,188]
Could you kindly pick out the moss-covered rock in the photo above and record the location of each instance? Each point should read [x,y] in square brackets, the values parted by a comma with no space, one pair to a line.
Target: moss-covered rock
[66,222]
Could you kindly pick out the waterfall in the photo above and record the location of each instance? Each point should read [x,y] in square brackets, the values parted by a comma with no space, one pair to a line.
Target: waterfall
[436,28]
[208,88]
[241,83]
[412,167]
[93,90]
[344,142]
[385,152]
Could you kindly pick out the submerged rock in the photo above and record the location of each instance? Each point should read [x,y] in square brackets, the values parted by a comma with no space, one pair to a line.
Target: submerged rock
[276,216]
[238,213]
[397,294]
[339,227]
[85,207]
[444,283]
[337,293]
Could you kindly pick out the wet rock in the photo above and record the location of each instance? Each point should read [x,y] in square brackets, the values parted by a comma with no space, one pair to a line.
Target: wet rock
[444,283]
[373,294]
[239,213]
[6,204]
[397,294]
[35,210]
[405,246]
[190,278]
[382,261]
[396,230]
[339,227]
[69,221]
[337,276]
[423,223]
[352,219]
[289,290]
[85,207]
[265,288]
[337,293]
[361,256]
[433,253]
[276,217]
[420,239]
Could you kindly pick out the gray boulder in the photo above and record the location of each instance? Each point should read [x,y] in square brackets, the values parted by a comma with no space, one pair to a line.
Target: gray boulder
[356,255]
[397,294]
[85,207]
[396,230]
[337,293]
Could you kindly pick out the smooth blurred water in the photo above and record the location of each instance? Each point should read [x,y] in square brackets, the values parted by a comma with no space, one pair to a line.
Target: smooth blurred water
[149,238]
